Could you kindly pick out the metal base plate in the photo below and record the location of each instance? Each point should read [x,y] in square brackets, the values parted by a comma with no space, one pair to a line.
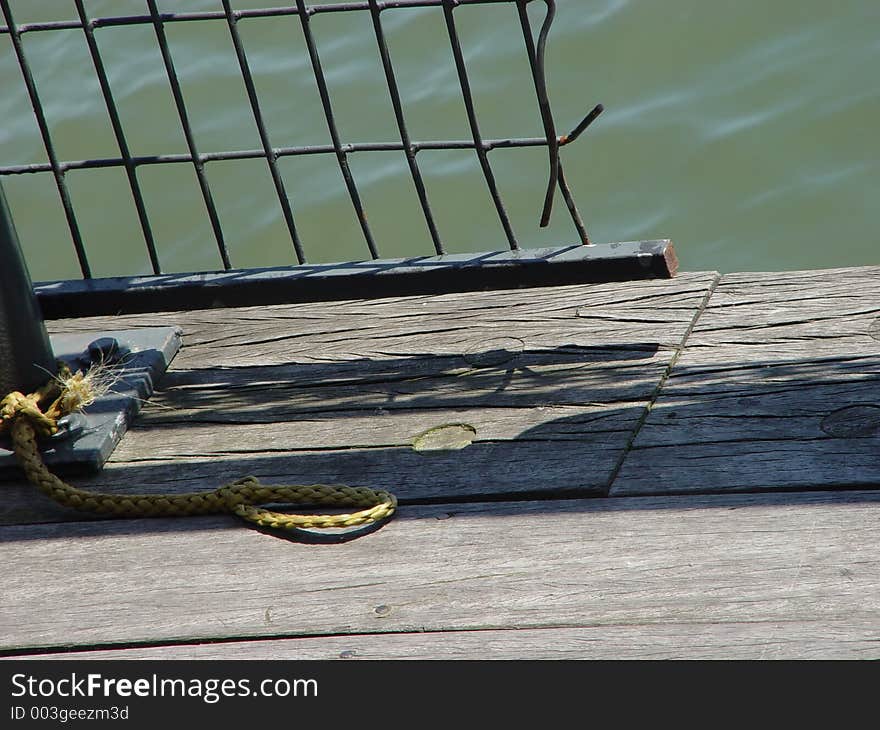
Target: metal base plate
[142,357]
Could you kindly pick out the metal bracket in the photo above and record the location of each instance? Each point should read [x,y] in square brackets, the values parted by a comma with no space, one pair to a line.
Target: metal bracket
[138,358]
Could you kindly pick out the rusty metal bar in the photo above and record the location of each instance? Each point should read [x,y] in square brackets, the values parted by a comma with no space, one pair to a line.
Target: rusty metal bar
[482,156]
[171,17]
[536,55]
[268,152]
[348,147]
[405,141]
[338,149]
[188,133]
[54,164]
[128,163]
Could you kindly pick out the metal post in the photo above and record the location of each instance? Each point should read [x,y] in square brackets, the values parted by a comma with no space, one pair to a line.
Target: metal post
[26,359]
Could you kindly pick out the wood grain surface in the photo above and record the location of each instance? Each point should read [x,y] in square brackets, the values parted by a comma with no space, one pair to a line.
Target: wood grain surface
[551,381]
[790,561]
[735,422]
[778,387]
[758,641]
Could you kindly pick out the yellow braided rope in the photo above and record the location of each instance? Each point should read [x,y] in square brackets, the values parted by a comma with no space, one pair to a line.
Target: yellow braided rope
[23,416]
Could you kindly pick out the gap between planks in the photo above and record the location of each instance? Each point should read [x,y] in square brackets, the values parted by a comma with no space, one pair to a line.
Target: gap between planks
[760,640]
[662,381]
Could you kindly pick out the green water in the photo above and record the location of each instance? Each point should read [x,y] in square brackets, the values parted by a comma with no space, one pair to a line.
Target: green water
[745,131]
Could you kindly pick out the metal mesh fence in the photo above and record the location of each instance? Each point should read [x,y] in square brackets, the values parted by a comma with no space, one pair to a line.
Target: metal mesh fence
[452,10]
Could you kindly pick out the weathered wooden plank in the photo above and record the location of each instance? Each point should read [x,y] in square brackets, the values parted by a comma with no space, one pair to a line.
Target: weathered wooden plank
[552,382]
[377,428]
[770,559]
[758,640]
[836,311]
[238,399]
[778,388]
[504,468]
[577,448]
[604,315]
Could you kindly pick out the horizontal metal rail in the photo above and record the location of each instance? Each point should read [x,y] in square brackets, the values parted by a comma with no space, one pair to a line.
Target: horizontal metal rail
[453,144]
[170,17]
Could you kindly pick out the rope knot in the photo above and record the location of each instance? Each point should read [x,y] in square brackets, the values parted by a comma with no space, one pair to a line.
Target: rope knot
[16,404]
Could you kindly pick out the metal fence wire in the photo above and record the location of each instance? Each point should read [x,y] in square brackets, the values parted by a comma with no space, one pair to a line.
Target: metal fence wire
[534,47]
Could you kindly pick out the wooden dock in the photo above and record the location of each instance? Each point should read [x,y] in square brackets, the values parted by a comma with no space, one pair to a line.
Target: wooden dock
[685,468]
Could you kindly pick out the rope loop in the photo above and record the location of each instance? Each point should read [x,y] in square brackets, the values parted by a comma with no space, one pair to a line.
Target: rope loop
[244,495]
